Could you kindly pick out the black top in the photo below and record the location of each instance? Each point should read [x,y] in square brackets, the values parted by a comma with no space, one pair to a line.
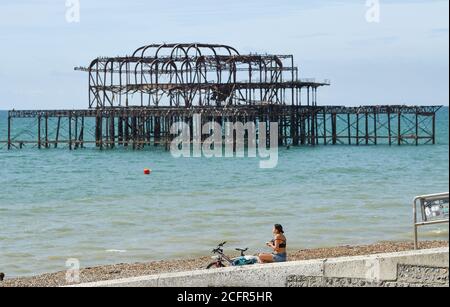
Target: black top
[282,245]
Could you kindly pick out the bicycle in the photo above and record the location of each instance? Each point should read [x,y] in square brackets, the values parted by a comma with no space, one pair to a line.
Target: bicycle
[221,259]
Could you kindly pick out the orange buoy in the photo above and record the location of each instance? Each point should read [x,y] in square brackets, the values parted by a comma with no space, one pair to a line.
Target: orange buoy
[147,171]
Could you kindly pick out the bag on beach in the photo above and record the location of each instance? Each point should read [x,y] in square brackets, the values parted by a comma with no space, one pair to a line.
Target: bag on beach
[246,260]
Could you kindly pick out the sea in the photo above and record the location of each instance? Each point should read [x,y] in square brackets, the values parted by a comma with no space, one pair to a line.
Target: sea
[98,206]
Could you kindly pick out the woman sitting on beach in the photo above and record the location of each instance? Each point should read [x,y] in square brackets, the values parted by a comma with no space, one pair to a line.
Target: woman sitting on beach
[278,244]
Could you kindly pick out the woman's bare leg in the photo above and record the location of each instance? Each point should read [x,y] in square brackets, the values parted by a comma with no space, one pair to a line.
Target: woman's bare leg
[265,258]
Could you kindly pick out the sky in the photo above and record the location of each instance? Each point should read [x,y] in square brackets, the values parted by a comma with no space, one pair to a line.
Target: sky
[402,59]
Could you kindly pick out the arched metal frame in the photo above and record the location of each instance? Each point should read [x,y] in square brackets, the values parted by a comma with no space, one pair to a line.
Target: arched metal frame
[187,75]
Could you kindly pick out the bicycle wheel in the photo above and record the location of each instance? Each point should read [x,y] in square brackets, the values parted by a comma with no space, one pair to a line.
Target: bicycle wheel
[215,265]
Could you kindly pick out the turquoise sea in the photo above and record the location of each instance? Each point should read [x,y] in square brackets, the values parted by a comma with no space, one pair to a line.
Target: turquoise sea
[98,206]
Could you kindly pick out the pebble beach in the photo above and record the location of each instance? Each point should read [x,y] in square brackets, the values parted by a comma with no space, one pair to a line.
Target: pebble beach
[109,272]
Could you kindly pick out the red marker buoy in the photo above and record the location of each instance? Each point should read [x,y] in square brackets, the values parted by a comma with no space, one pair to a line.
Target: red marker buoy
[147,171]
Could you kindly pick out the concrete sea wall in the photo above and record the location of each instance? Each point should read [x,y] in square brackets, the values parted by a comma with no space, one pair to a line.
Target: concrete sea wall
[425,268]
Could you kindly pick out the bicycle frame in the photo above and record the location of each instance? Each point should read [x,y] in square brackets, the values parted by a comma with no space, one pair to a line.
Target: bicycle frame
[220,256]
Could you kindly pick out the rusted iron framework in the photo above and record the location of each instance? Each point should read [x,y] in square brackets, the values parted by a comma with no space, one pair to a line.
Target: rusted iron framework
[186,75]
[134,100]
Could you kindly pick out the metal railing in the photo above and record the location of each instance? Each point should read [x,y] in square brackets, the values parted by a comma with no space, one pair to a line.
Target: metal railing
[434,210]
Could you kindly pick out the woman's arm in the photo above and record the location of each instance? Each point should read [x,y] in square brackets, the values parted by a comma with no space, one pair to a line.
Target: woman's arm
[272,244]
[275,244]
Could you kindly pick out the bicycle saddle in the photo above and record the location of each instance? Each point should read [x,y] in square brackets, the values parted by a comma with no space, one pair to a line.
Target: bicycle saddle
[242,250]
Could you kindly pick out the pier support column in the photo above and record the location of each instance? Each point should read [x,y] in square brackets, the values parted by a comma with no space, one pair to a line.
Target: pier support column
[120,130]
[367,128]
[313,127]
[39,131]
[158,130]
[70,132]
[357,129]
[99,130]
[294,127]
[81,137]
[334,127]
[58,127]
[417,128]
[349,129]
[9,131]
[148,133]
[433,137]
[134,130]
[126,131]
[76,132]
[389,128]
[302,129]
[46,132]
[112,132]
[375,127]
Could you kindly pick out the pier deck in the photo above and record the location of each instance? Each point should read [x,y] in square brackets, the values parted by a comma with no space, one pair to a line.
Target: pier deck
[140,127]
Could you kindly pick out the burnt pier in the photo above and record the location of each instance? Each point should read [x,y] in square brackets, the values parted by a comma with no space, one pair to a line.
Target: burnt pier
[134,100]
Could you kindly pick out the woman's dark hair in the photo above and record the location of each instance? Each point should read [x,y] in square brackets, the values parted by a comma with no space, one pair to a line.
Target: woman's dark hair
[279,228]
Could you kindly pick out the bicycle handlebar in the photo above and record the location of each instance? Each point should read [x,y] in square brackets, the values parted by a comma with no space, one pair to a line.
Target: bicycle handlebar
[219,248]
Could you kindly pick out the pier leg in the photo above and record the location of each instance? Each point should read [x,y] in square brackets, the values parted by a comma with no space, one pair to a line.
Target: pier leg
[294,128]
[367,128]
[148,131]
[280,130]
[58,127]
[349,129]
[9,131]
[316,116]
[158,130]
[127,131]
[417,128]
[399,132]
[112,132]
[97,138]
[167,133]
[334,128]
[39,132]
[76,132]
[81,138]
[107,145]
[70,132]
[133,130]
[375,127]
[357,129]
[46,132]
[313,128]
[389,128]
[100,131]
[309,128]
[120,130]
[433,137]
